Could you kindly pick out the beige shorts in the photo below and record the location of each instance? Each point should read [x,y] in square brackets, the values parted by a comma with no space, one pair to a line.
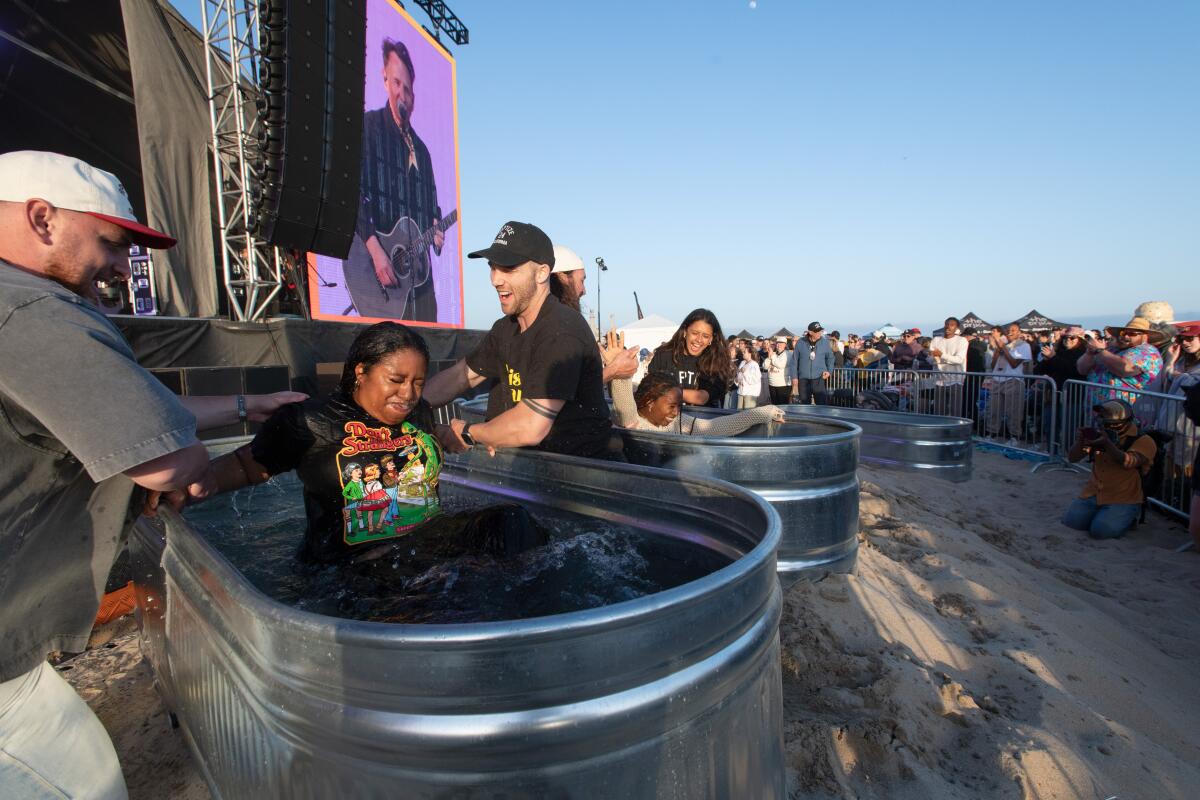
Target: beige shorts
[51,744]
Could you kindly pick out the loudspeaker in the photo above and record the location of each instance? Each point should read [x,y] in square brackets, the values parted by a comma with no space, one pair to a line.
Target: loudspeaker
[310,123]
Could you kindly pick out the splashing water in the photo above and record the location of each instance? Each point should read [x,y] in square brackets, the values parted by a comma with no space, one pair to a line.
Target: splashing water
[587,563]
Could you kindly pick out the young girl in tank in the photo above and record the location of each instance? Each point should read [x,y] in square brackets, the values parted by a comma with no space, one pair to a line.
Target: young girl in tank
[656,407]
[340,447]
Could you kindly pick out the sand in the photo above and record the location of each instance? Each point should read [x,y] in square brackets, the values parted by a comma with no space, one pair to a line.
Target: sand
[981,650]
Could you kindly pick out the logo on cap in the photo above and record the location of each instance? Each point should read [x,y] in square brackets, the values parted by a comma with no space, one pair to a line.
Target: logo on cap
[502,236]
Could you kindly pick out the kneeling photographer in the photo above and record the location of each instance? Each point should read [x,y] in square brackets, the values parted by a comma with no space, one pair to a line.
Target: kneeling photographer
[1120,454]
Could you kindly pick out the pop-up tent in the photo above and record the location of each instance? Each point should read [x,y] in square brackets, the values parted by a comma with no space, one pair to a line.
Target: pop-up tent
[891,331]
[784,332]
[648,333]
[745,334]
[973,322]
[1037,321]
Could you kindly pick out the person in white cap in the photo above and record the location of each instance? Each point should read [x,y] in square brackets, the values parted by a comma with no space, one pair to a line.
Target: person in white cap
[569,276]
[568,283]
[83,425]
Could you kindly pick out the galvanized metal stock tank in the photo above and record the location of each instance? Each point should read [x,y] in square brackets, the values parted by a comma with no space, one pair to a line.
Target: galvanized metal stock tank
[937,446]
[806,469]
[672,695]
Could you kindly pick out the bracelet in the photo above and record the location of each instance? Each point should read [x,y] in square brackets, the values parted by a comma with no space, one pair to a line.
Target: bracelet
[241,407]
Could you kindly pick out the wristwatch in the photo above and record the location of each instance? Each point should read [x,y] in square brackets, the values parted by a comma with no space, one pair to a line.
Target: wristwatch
[241,407]
[466,436]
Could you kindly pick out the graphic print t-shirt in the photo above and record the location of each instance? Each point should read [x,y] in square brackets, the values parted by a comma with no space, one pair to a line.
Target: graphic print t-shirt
[684,372]
[555,359]
[364,481]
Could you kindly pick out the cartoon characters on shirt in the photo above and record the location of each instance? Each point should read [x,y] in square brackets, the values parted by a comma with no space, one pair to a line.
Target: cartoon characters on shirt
[389,483]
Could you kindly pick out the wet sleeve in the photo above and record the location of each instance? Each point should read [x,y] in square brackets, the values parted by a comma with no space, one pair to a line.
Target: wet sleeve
[624,405]
[733,424]
[283,440]
[70,369]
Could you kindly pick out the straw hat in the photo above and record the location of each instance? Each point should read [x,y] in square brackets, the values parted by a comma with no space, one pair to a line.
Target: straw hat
[1140,325]
[1155,311]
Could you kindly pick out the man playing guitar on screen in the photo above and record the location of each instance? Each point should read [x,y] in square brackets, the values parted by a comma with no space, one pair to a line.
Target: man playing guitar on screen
[387,270]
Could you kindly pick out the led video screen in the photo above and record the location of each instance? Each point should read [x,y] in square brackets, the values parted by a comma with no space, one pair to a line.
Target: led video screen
[405,262]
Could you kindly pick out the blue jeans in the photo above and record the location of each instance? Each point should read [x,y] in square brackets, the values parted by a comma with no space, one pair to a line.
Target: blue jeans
[1101,522]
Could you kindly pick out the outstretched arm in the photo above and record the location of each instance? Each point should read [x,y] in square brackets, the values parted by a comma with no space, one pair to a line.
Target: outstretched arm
[731,424]
[450,383]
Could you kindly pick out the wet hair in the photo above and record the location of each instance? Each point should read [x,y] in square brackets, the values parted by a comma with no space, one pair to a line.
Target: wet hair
[714,361]
[376,343]
[652,387]
[564,290]
[390,47]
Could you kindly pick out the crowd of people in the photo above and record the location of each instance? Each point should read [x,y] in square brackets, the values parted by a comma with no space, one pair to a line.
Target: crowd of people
[86,429]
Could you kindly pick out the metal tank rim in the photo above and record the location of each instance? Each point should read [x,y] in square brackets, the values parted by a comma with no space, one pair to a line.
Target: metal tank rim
[626,612]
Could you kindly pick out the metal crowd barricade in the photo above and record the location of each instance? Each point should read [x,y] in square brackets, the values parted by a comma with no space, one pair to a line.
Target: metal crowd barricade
[897,385]
[1018,412]
[1158,414]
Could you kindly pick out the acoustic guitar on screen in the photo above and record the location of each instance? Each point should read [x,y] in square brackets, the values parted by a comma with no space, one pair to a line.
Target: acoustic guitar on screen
[407,249]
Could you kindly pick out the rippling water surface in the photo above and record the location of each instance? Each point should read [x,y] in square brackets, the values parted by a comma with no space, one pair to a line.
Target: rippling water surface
[587,563]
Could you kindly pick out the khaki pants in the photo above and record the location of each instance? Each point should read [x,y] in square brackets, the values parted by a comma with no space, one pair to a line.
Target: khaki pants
[1007,401]
[51,744]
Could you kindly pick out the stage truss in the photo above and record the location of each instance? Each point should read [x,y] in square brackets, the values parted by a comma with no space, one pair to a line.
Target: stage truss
[251,268]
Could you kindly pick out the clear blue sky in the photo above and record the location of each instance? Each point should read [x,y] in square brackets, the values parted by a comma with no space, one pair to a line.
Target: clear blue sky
[853,162]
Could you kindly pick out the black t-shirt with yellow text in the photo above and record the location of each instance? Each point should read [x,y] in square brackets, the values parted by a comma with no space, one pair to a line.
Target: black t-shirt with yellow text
[555,359]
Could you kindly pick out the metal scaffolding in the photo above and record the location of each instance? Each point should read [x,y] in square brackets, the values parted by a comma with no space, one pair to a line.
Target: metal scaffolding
[250,267]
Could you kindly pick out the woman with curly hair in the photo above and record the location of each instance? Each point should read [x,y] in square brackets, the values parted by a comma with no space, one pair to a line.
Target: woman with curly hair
[656,407]
[695,360]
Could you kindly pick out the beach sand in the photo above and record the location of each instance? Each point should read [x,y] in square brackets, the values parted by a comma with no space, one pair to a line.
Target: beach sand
[981,650]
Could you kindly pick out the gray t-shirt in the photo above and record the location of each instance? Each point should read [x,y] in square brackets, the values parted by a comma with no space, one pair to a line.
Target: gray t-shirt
[75,412]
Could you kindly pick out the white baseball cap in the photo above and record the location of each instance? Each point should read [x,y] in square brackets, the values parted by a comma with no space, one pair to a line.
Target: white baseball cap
[74,185]
[566,259]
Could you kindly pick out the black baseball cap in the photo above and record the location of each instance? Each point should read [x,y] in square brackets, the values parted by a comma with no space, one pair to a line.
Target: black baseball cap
[815,327]
[516,243]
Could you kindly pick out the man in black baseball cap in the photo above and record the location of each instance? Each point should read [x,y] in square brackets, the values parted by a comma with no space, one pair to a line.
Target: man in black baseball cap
[811,365]
[549,392]
[516,243]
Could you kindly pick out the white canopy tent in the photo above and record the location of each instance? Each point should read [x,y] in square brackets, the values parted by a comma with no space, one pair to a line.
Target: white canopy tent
[891,331]
[648,333]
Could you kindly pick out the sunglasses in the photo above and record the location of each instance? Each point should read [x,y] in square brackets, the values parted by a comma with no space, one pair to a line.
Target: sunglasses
[1181,338]
[1071,336]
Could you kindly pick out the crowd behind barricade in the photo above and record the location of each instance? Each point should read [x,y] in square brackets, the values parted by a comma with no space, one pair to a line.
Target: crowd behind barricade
[1115,397]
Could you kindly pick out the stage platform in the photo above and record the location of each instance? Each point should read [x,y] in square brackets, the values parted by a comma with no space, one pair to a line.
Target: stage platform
[172,343]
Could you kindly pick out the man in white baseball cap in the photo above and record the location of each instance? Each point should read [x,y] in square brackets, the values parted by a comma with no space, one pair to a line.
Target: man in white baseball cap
[570,275]
[567,280]
[84,425]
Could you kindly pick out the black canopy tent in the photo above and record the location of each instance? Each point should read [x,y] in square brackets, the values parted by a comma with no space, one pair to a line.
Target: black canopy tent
[745,334]
[1037,321]
[972,322]
[784,332]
